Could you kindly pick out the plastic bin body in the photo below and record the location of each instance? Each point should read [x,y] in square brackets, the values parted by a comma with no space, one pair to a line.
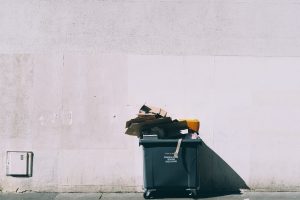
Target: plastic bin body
[164,172]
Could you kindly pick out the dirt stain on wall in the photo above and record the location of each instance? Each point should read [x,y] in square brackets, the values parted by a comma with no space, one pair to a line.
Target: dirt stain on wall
[16,78]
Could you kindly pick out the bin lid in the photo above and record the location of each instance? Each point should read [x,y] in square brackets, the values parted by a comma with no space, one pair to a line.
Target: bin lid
[156,141]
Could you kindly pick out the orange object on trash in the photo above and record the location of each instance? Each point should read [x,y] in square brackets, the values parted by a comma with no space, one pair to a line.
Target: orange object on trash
[193,124]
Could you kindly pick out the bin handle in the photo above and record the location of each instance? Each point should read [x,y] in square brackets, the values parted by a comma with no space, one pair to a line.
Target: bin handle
[177,148]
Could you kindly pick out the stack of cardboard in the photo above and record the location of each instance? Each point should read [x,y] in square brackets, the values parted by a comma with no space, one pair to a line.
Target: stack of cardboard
[154,121]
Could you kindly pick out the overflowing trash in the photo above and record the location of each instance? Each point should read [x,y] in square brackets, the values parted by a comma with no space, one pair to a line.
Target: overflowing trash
[171,151]
[154,122]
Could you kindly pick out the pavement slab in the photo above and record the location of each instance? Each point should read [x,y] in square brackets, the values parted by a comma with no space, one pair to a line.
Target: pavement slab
[27,196]
[139,196]
[78,196]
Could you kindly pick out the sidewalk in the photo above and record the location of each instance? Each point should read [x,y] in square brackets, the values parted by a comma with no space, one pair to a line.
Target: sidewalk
[139,196]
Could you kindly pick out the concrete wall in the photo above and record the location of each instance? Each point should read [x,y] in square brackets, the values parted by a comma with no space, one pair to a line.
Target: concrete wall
[73,72]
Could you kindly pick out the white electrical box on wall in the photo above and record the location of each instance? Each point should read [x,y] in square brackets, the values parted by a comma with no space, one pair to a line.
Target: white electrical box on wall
[19,163]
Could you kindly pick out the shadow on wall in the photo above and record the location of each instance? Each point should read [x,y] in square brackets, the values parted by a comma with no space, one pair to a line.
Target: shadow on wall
[216,176]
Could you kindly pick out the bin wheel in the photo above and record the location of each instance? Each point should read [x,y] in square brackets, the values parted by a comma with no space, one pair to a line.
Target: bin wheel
[148,194]
[193,194]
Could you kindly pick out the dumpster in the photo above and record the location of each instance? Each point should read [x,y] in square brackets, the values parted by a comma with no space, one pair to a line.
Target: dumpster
[165,171]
